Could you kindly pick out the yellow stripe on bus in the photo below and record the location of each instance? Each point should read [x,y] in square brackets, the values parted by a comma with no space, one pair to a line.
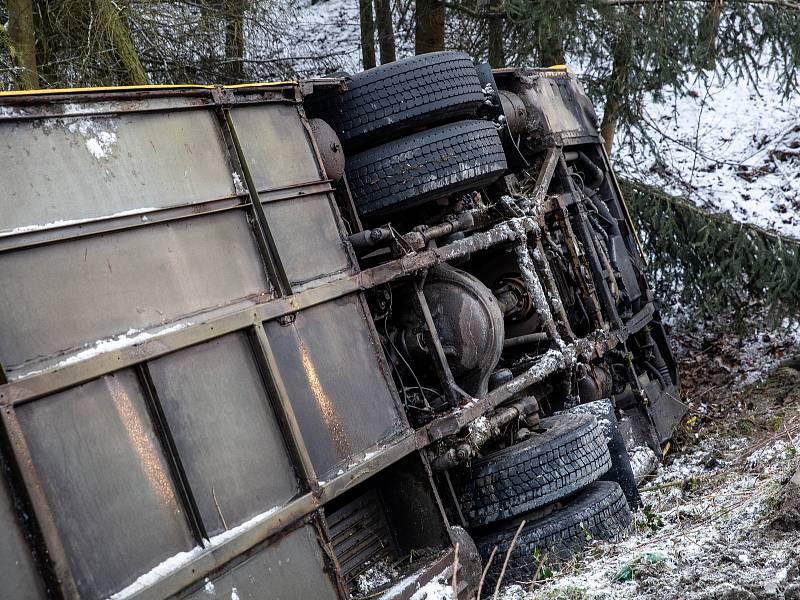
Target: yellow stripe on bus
[126,88]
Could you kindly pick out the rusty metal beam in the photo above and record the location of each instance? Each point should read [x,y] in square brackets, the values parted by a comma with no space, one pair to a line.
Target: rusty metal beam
[548,280]
[452,392]
[535,289]
[298,190]
[282,406]
[121,100]
[171,454]
[594,345]
[11,240]
[332,567]
[544,179]
[57,106]
[104,225]
[266,243]
[451,424]
[56,552]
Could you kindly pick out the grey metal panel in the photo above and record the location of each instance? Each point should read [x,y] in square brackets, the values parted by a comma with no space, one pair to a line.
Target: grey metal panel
[289,569]
[225,431]
[107,482]
[558,105]
[308,239]
[340,394]
[275,145]
[79,167]
[63,295]
[17,569]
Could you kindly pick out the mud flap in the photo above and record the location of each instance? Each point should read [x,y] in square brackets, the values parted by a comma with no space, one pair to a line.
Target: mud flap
[620,471]
[666,410]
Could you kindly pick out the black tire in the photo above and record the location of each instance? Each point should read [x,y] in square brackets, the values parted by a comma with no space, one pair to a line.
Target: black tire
[570,454]
[401,96]
[598,512]
[426,165]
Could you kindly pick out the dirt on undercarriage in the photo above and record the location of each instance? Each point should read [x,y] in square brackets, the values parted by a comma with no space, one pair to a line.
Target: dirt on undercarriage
[722,515]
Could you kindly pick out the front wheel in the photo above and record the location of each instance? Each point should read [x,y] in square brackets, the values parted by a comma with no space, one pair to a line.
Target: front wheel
[598,512]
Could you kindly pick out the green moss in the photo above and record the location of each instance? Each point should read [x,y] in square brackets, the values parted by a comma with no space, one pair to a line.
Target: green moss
[567,593]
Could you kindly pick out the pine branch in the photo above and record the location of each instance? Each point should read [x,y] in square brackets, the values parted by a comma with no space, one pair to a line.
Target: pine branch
[780,3]
[721,218]
[708,264]
[475,14]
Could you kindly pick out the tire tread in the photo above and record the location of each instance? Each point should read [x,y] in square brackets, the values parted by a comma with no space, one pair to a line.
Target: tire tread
[598,512]
[400,96]
[424,165]
[546,467]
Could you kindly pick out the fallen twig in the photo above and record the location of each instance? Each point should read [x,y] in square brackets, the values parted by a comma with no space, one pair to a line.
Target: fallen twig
[219,510]
[485,570]
[539,566]
[454,578]
[505,562]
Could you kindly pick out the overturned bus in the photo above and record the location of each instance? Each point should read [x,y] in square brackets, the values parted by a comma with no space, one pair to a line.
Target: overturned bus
[326,339]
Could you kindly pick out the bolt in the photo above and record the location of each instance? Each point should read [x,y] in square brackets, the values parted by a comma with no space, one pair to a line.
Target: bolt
[463,453]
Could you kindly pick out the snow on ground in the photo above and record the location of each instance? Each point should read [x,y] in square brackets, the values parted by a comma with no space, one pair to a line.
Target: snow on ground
[436,589]
[714,358]
[731,148]
[704,532]
[758,357]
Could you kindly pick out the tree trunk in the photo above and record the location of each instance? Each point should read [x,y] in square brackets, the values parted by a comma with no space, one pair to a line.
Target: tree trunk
[429,34]
[117,33]
[234,39]
[383,13]
[550,46]
[497,58]
[22,43]
[367,33]
[707,33]
[617,84]
[46,43]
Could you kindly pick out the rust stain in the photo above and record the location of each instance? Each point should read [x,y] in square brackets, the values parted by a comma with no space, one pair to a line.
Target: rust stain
[332,418]
[142,443]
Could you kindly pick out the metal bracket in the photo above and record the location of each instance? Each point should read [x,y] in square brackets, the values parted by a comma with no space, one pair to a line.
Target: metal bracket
[452,392]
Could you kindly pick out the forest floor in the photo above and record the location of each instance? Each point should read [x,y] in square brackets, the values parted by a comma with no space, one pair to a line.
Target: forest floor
[722,515]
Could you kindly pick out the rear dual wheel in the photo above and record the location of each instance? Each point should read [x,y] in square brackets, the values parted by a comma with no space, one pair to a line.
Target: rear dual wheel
[411,132]
[567,453]
[430,164]
[400,97]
